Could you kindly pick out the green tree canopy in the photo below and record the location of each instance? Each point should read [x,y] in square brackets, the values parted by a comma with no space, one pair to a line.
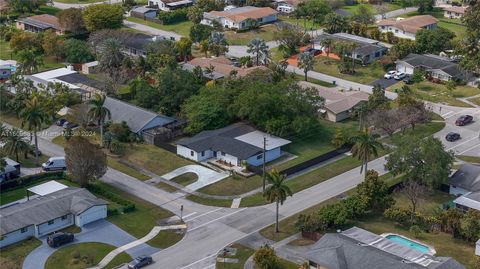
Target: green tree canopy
[103,16]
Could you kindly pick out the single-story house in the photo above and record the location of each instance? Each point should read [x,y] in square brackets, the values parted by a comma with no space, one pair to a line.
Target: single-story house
[367,51]
[465,183]
[233,144]
[49,213]
[241,17]
[137,44]
[167,5]
[477,248]
[138,119]
[437,67]
[144,12]
[338,104]
[407,28]
[361,249]
[454,12]
[40,23]
[223,67]
[286,6]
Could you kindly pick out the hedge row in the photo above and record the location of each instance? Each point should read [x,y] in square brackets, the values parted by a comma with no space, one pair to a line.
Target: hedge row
[27,180]
[174,16]
[127,206]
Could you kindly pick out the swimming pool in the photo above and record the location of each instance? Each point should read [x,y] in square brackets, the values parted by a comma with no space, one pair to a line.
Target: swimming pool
[409,243]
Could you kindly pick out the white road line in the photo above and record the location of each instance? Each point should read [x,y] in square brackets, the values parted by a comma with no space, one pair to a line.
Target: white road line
[468,149]
[208,257]
[191,214]
[462,143]
[206,213]
[228,215]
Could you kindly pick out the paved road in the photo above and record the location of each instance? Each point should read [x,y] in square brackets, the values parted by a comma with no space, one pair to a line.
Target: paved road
[67,6]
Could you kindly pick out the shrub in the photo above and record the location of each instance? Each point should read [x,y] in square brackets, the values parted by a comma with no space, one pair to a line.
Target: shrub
[400,215]
[113,212]
[416,231]
[173,16]
[127,206]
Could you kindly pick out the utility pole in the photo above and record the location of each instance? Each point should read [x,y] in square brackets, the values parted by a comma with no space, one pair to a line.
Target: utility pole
[263,155]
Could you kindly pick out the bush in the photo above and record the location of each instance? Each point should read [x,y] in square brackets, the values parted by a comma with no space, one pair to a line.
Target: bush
[173,16]
[416,231]
[127,206]
[26,180]
[401,216]
[113,212]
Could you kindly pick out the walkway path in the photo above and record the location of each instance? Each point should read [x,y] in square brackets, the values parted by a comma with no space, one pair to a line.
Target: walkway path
[205,175]
[154,232]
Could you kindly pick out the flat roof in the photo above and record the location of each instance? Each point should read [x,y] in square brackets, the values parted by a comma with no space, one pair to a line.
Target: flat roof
[47,188]
[54,73]
[256,138]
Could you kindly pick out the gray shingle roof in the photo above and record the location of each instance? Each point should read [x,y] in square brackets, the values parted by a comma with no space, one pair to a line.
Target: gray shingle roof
[135,117]
[434,62]
[365,46]
[467,177]
[44,208]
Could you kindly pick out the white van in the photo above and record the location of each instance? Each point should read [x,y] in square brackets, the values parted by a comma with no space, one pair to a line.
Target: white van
[54,163]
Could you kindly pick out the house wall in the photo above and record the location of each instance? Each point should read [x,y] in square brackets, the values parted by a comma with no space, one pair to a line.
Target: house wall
[457,191]
[404,67]
[397,32]
[270,156]
[17,236]
[193,155]
[157,121]
[228,158]
[452,15]
[34,29]
[90,215]
[439,74]
[57,224]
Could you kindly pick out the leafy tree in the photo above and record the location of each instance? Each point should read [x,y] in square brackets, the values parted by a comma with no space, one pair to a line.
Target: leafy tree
[470,226]
[217,43]
[30,60]
[184,48]
[195,15]
[413,191]
[363,16]
[52,44]
[33,116]
[277,192]
[103,16]
[146,96]
[203,47]
[327,45]
[335,23]
[77,51]
[99,112]
[199,32]
[378,99]
[265,258]
[433,41]
[314,9]
[366,145]
[86,162]
[25,41]
[451,85]
[111,58]
[306,62]
[402,48]
[425,5]
[373,191]
[209,5]
[289,39]
[15,143]
[258,48]
[25,6]
[422,160]
[71,20]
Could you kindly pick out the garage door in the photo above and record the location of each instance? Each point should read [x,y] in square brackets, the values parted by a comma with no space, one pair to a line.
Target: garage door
[92,214]
[405,68]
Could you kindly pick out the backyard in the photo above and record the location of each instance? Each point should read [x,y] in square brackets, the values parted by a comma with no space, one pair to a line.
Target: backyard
[363,74]
[181,28]
[355,8]
[266,32]
[7,54]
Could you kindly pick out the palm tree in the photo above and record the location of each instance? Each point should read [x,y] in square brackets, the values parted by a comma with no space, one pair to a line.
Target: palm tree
[306,61]
[184,47]
[203,47]
[33,116]
[217,43]
[209,71]
[366,145]
[257,47]
[99,112]
[277,192]
[353,47]
[15,143]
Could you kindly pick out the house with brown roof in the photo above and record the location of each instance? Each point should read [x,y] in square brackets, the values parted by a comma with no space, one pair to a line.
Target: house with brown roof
[241,17]
[407,28]
[338,104]
[454,12]
[222,67]
[40,23]
[167,5]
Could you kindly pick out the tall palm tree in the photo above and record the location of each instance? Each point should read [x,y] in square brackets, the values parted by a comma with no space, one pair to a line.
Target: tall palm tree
[277,192]
[366,145]
[306,62]
[217,43]
[98,112]
[203,47]
[353,47]
[16,143]
[33,116]
[258,48]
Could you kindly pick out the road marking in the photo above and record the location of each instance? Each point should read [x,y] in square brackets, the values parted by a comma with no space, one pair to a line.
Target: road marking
[236,203]
[191,214]
[462,143]
[206,213]
[468,149]
[208,257]
[228,215]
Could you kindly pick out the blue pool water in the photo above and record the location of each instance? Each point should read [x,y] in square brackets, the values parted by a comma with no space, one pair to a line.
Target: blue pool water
[404,241]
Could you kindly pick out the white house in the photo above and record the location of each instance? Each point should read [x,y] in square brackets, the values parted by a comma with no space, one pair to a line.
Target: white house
[240,18]
[454,12]
[167,5]
[233,144]
[465,183]
[49,212]
[407,28]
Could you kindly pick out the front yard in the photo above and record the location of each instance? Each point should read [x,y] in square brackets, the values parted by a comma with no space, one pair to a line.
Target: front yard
[363,74]
[181,28]
[265,32]
[243,253]
[12,256]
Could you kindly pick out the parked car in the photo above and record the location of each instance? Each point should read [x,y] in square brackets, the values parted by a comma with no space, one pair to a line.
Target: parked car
[408,80]
[390,74]
[10,171]
[58,239]
[399,75]
[70,125]
[452,137]
[140,262]
[313,51]
[60,122]
[54,163]
[464,120]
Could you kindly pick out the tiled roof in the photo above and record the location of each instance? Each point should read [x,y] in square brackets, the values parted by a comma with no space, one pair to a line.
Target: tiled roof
[456,9]
[242,13]
[411,25]
[43,21]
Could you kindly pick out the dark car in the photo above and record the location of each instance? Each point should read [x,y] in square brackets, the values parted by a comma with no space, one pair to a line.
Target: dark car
[58,239]
[313,51]
[60,122]
[408,80]
[140,262]
[70,125]
[452,137]
[464,120]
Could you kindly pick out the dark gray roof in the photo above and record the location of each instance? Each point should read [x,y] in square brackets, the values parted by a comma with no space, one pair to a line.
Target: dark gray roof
[136,117]
[44,208]
[223,140]
[434,62]
[365,46]
[343,12]
[79,79]
[144,10]
[467,177]
[138,41]
[341,251]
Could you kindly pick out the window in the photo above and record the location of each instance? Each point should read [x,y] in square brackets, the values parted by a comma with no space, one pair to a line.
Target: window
[377,54]
[396,31]
[24,230]
[64,217]
[50,222]
[259,157]
[203,153]
[191,153]
[223,153]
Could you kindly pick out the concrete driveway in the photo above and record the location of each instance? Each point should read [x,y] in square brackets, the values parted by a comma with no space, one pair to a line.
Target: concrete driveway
[101,231]
[205,175]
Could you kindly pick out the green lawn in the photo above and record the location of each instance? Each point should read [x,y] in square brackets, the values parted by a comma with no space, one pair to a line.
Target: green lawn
[315,81]
[164,239]
[363,74]
[30,162]
[7,54]
[438,93]
[79,1]
[454,25]
[84,255]
[48,10]
[210,202]
[422,130]
[354,8]
[185,179]
[475,100]
[12,256]
[470,159]
[15,121]
[19,193]
[305,24]
[243,253]
[233,185]
[181,28]
[265,32]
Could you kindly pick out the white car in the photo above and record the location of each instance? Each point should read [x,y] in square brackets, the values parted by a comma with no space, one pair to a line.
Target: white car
[399,76]
[390,74]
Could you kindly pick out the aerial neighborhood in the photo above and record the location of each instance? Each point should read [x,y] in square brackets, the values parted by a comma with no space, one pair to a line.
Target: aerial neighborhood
[257,134]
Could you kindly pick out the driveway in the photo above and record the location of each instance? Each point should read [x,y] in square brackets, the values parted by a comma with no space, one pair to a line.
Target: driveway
[385,83]
[101,231]
[205,175]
